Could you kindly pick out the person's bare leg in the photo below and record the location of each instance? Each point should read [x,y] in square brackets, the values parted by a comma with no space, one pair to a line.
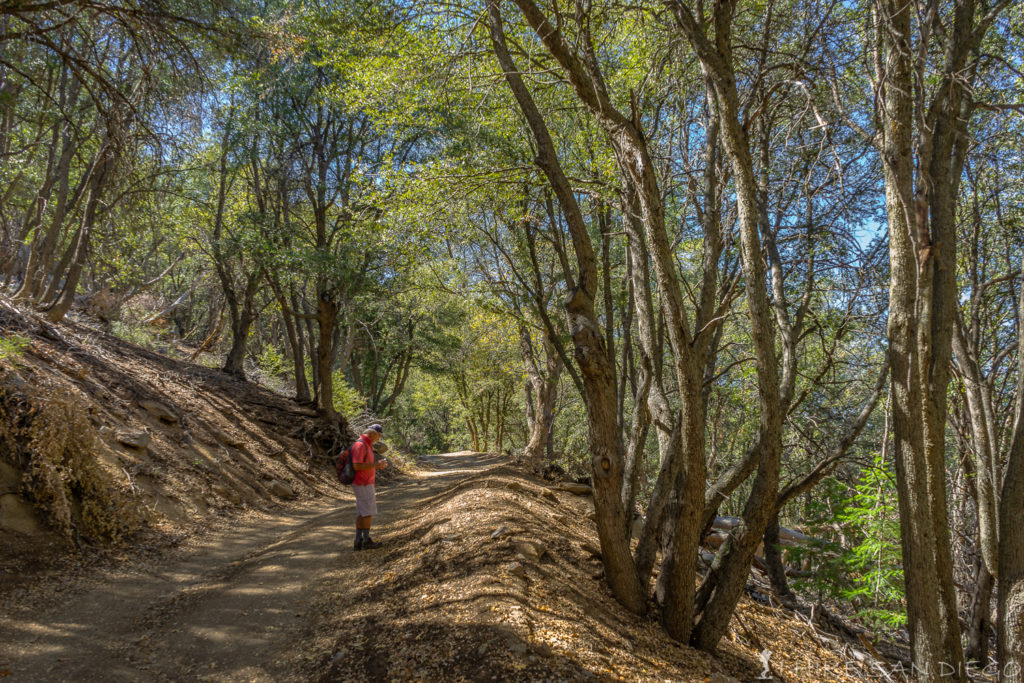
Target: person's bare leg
[362,531]
[364,523]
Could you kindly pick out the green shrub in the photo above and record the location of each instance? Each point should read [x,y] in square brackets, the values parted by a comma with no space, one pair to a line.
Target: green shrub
[270,361]
[140,335]
[12,347]
[347,400]
[866,569]
[875,564]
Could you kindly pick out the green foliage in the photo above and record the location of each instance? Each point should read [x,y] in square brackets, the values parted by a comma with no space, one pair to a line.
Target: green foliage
[571,437]
[425,415]
[270,360]
[11,347]
[365,157]
[131,331]
[875,564]
[861,559]
[347,400]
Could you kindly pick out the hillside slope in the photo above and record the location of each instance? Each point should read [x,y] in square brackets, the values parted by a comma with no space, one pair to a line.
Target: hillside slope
[102,439]
[495,578]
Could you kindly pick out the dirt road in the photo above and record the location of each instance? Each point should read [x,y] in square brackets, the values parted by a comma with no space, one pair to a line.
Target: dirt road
[230,608]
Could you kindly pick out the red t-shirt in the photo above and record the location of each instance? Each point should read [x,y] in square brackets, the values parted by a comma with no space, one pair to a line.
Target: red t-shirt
[362,452]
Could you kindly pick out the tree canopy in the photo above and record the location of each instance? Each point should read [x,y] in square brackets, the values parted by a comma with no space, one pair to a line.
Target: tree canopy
[760,260]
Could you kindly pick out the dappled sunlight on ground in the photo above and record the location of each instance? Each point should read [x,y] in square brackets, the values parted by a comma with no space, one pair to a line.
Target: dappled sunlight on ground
[285,598]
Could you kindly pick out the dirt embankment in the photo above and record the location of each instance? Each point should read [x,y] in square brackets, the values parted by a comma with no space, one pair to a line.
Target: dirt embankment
[102,442]
[495,577]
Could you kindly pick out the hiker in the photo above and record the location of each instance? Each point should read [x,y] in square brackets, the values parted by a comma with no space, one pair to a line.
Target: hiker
[366,496]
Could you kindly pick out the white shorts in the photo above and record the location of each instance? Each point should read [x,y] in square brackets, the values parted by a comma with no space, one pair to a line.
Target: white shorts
[366,500]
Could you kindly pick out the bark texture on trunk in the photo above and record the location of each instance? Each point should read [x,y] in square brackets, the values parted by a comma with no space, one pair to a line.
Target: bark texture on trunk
[243,315]
[1011,536]
[327,323]
[721,589]
[637,169]
[979,628]
[541,393]
[76,255]
[984,447]
[58,173]
[922,168]
[294,334]
[773,560]
[598,374]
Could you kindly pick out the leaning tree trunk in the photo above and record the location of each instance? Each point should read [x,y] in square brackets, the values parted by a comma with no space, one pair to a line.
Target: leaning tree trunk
[242,318]
[56,310]
[637,169]
[1011,536]
[60,173]
[590,350]
[59,307]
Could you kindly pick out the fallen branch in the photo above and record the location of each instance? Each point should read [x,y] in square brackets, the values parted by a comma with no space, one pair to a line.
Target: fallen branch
[210,339]
[154,319]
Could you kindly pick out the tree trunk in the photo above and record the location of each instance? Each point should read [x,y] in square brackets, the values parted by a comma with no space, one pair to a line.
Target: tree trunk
[56,310]
[327,321]
[542,394]
[665,422]
[240,311]
[590,349]
[979,627]
[982,450]
[309,336]
[773,559]
[242,318]
[471,426]
[80,247]
[293,332]
[721,589]
[60,172]
[1011,535]
[922,298]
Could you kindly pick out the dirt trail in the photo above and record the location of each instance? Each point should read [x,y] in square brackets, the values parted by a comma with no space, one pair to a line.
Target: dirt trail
[230,608]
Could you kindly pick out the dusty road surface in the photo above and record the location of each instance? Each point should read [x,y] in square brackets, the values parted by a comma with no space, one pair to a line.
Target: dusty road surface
[231,607]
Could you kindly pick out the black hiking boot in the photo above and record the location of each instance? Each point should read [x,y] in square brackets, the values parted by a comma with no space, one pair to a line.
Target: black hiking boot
[370,544]
[358,545]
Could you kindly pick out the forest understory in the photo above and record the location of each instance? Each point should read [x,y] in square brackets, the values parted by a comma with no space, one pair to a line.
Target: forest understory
[747,276]
[489,571]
